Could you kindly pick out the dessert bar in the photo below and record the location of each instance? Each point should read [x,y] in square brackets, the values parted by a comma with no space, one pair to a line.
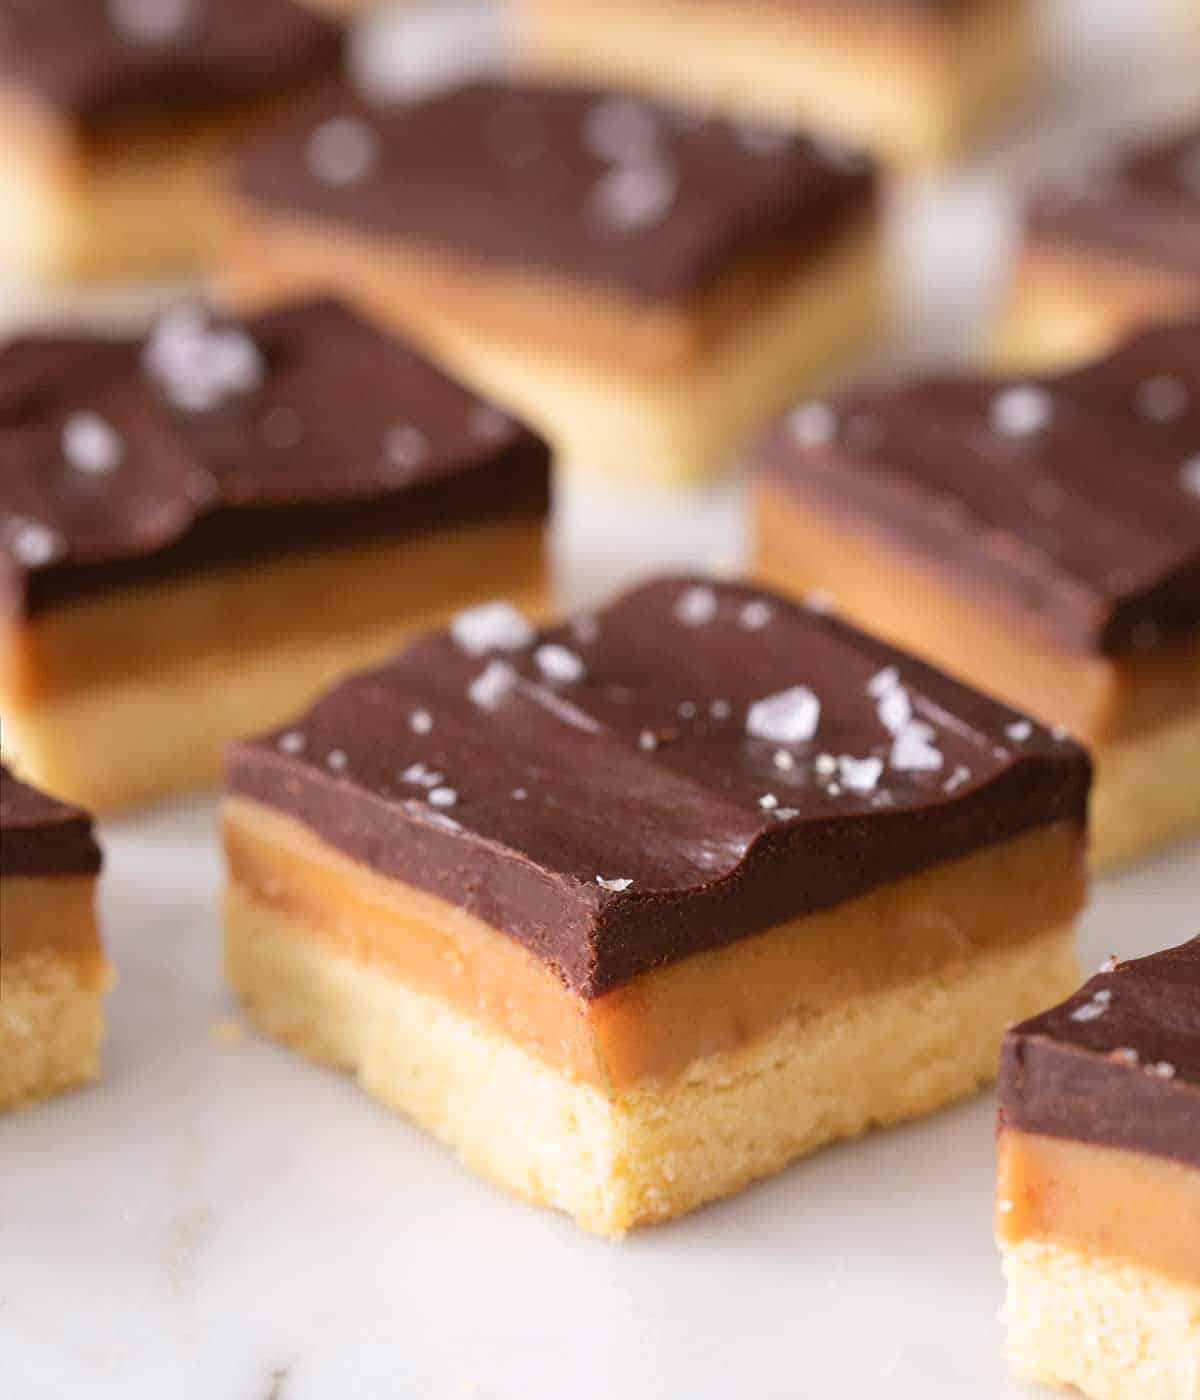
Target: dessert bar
[1041,539]
[1098,1212]
[53,973]
[115,113]
[199,532]
[637,909]
[909,79]
[1106,252]
[641,283]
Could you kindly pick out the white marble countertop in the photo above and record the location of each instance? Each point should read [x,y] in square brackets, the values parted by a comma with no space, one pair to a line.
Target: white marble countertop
[221,1221]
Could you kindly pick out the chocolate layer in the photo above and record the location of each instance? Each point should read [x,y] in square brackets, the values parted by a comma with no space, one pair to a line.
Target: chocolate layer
[215,443]
[654,201]
[1118,1064]
[1142,204]
[105,61]
[1074,502]
[596,791]
[40,835]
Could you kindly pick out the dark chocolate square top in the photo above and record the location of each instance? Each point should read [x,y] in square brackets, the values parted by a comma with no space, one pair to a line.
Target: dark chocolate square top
[1118,1064]
[215,442]
[100,61]
[1142,204]
[654,201]
[695,764]
[40,835]
[1073,501]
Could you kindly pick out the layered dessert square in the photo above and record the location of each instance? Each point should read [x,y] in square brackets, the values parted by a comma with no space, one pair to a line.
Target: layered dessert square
[53,973]
[1108,251]
[114,114]
[909,79]
[200,532]
[639,282]
[1098,1206]
[1041,539]
[637,909]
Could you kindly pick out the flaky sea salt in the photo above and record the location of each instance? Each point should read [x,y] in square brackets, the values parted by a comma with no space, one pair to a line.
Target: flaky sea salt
[342,151]
[91,445]
[443,796]
[1019,730]
[696,607]
[616,885]
[493,685]
[559,663]
[859,774]
[812,424]
[420,721]
[33,544]
[1162,398]
[789,717]
[1021,411]
[755,615]
[633,198]
[914,751]
[496,626]
[293,742]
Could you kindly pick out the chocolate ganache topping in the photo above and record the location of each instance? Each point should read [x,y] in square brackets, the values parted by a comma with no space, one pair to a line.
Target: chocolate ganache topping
[695,764]
[216,442]
[106,61]
[655,201]
[1142,204]
[40,835]
[1118,1064]
[1072,501]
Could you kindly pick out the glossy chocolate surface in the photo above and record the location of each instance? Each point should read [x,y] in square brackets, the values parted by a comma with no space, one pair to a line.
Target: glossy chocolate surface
[1142,204]
[597,793]
[40,835]
[1118,1064]
[105,61]
[654,201]
[216,443]
[1074,502]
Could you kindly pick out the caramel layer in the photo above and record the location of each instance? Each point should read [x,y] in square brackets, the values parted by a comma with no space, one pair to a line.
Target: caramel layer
[654,1026]
[1069,303]
[48,913]
[1097,698]
[1102,1201]
[271,255]
[156,627]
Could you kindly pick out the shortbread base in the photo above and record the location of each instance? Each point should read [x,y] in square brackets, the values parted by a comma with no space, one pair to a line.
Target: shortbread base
[1145,794]
[51,1022]
[914,90]
[135,694]
[617,1161]
[1111,1329]
[661,394]
[1067,306]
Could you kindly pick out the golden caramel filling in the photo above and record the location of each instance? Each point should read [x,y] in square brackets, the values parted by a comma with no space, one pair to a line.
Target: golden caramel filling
[1106,1201]
[271,255]
[48,913]
[654,1026]
[1098,698]
[118,634]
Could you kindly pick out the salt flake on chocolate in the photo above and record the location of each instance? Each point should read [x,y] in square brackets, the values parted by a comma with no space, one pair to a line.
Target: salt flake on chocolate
[620,130]
[914,750]
[1019,730]
[557,663]
[1189,476]
[443,797]
[33,544]
[812,424]
[496,626]
[1095,1008]
[91,445]
[632,198]
[292,743]
[755,615]
[151,21]
[420,721]
[1021,411]
[342,150]
[696,607]
[405,446]
[789,717]
[615,885]
[1163,398]
[493,685]
[859,774]
[200,366]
